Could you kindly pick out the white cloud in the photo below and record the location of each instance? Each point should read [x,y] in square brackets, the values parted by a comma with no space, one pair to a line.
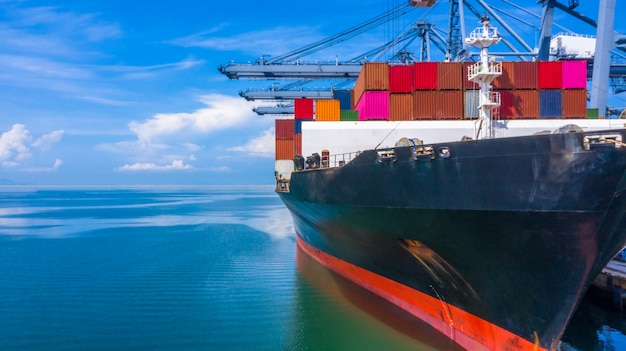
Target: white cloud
[221,112]
[176,165]
[263,145]
[47,141]
[279,40]
[57,164]
[15,147]
[14,144]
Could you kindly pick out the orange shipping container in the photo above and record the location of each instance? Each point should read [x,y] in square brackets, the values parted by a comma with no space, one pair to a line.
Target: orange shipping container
[575,103]
[507,79]
[450,104]
[425,104]
[285,149]
[526,104]
[297,141]
[374,76]
[401,107]
[327,110]
[450,75]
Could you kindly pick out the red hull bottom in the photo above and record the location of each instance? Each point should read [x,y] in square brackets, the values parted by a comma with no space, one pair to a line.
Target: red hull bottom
[467,330]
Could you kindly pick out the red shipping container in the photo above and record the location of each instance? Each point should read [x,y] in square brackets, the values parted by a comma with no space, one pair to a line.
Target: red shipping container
[425,104]
[507,104]
[425,75]
[450,104]
[373,105]
[575,103]
[550,75]
[526,75]
[400,107]
[284,128]
[467,84]
[507,79]
[401,79]
[303,108]
[449,75]
[526,104]
[574,74]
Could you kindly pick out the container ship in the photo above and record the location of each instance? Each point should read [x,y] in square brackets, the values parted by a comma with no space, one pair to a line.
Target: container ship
[482,198]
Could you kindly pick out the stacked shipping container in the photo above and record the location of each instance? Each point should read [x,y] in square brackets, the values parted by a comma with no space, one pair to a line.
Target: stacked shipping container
[441,90]
[430,90]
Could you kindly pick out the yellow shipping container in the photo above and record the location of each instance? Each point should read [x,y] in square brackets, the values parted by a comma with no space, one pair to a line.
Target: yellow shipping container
[327,110]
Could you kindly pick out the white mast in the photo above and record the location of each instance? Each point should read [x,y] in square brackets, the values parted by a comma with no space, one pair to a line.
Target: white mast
[483,73]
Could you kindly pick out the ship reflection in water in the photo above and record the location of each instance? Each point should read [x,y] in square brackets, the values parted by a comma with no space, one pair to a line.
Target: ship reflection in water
[331,313]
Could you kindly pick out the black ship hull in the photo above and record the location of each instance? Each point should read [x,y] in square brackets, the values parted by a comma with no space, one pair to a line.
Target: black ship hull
[492,242]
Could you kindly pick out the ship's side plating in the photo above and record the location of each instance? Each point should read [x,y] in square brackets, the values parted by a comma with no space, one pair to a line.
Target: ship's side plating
[493,241]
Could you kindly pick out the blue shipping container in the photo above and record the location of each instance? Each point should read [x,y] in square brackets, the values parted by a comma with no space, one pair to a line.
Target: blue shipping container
[550,103]
[297,126]
[345,99]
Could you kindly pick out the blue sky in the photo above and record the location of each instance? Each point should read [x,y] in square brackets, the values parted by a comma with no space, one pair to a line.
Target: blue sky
[128,92]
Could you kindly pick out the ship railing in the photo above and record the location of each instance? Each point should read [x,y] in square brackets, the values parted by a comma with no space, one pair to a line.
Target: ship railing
[494,69]
[482,32]
[340,160]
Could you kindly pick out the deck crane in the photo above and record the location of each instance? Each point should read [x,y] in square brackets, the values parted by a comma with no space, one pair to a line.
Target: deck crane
[292,66]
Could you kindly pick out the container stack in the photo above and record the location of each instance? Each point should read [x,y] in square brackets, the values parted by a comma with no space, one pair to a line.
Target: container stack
[371,92]
[303,111]
[518,88]
[346,113]
[441,91]
[286,145]
[546,89]
[574,83]
[401,92]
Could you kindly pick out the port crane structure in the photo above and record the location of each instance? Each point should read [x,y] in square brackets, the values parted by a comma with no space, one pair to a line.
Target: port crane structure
[604,66]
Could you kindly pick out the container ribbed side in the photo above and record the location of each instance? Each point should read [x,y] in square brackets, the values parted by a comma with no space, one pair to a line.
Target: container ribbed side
[526,75]
[327,110]
[425,75]
[401,79]
[284,128]
[400,107]
[575,103]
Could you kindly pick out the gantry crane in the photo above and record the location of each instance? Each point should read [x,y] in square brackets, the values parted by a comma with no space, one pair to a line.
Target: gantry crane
[293,66]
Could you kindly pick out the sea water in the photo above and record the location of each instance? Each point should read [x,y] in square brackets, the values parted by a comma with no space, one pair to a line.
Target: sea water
[195,269]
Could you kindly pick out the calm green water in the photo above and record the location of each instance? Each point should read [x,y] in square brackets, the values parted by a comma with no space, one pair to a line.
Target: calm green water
[193,269]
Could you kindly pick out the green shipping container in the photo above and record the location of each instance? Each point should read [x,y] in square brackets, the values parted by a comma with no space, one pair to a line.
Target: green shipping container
[592,113]
[349,115]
